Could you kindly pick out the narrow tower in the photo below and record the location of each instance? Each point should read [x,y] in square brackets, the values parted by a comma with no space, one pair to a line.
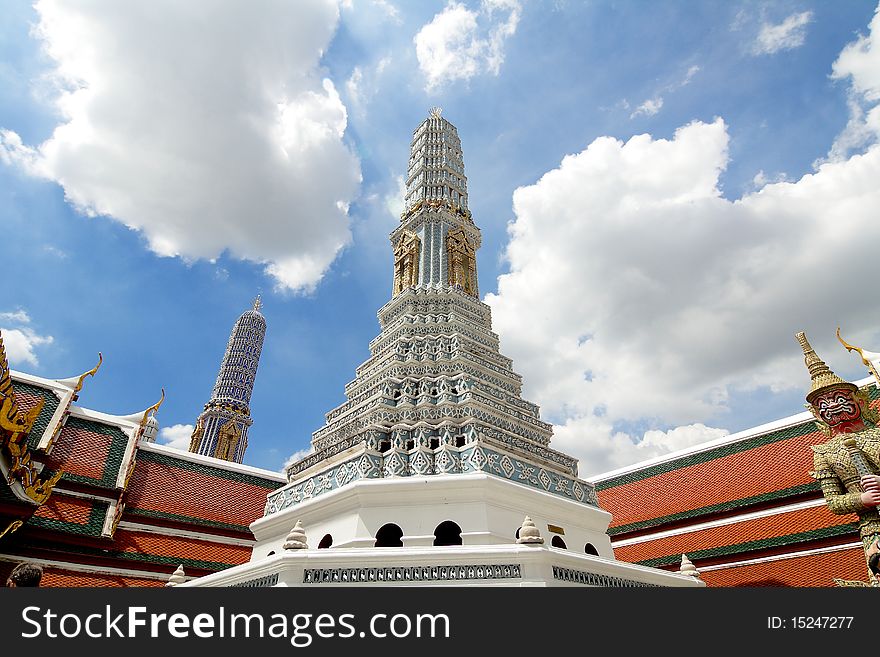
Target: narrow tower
[436,395]
[221,430]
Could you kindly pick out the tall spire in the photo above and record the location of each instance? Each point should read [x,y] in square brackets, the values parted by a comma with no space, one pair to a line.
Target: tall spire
[221,429]
[436,243]
[821,376]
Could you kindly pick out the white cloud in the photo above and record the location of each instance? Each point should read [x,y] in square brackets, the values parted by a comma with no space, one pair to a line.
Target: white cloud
[787,35]
[651,298]
[460,43]
[389,10]
[607,450]
[859,63]
[691,72]
[363,83]
[205,135]
[20,344]
[17,316]
[395,201]
[653,105]
[649,108]
[177,436]
[19,339]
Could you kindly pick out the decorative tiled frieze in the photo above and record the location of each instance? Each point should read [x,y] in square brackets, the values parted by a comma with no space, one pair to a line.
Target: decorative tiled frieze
[594,579]
[382,415]
[411,573]
[259,582]
[507,382]
[446,458]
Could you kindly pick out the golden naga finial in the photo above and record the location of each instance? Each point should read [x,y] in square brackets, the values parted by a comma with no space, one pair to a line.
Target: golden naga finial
[151,411]
[91,372]
[821,375]
[868,357]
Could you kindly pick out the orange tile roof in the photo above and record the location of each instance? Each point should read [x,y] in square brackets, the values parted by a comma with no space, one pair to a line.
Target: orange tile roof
[808,570]
[736,534]
[179,547]
[191,492]
[765,469]
[56,577]
[71,515]
[81,451]
[66,509]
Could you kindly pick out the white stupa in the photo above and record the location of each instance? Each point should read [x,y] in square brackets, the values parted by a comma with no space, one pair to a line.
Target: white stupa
[435,471]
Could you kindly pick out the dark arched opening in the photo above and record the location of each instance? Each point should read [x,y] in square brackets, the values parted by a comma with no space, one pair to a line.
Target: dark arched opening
[558,542]
[326,542]
[589,548]
[389,536]
[447,533]
[517,532]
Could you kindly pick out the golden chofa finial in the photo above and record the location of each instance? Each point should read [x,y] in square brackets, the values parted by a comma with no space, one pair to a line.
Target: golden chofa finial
[151,411]
[868,357]
[91,372]
[435,112]
[258,303]
[821,376]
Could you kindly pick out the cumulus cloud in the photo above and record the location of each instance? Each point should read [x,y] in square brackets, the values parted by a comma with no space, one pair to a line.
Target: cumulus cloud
[20,339]
[651,298]
[460,43]
[787,35]
[207,126]
[176,436]
[859,63]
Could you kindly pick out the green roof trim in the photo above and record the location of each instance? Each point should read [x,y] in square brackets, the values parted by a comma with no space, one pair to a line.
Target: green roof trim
[115,452]
[751,546]
[810,487]
[150,513]
[212,471]
[93,526]
[50,405]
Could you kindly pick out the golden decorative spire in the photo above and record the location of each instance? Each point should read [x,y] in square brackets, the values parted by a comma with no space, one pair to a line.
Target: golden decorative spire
[821,375]
[435,112]
[258,302]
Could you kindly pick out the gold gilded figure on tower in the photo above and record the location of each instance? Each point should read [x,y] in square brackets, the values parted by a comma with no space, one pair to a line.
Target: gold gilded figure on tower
[847,465]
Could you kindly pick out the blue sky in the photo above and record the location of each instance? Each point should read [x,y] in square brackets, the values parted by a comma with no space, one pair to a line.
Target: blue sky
[667,193]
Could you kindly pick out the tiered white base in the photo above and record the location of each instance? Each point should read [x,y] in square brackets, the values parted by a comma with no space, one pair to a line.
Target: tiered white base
[488,509]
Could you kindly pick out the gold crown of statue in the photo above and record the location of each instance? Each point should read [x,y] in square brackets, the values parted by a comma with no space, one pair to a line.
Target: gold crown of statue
[821,376]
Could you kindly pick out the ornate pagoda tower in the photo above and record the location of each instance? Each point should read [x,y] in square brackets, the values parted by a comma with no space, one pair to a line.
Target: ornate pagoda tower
[221,430]
[437,396]
[434,469]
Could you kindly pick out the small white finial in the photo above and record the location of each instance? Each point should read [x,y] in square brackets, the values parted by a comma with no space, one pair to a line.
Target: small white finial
[296,539]
[436,112]
[688,568]
[177,577]
[258,302]
[529,534]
